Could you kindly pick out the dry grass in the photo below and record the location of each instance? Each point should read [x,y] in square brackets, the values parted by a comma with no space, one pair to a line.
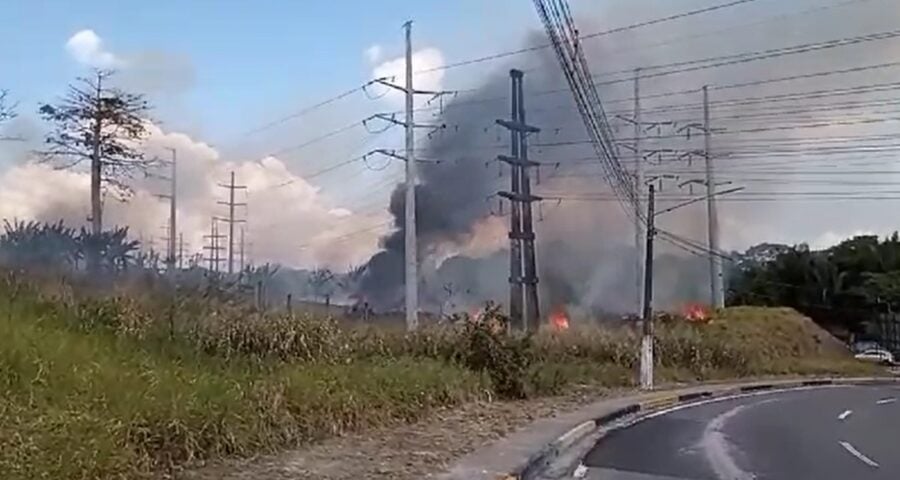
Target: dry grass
[94,404]
[123,387]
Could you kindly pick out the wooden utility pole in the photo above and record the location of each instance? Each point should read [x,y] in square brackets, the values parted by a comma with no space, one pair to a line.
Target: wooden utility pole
[231,220]
[523,278]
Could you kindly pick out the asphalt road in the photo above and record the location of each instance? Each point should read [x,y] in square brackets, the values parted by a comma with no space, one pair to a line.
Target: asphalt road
[831,433]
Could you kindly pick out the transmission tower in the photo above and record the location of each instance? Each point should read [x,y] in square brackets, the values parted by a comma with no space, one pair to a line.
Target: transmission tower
[214,248]
[523,278]
[231,220]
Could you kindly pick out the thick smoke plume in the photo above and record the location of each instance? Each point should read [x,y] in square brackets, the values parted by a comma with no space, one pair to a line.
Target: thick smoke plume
[583,255]
[585,250]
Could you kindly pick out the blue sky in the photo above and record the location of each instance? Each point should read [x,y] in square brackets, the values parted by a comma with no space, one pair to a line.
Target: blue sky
[250,60]
[222,68]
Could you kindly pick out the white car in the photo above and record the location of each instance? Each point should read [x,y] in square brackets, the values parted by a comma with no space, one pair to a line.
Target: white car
[876,355]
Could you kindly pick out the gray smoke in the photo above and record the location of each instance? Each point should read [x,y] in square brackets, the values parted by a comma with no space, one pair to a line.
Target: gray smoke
[581,256]
[585,252]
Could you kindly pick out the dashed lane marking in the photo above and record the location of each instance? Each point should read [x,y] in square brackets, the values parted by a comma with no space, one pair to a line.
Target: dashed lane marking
[856,453]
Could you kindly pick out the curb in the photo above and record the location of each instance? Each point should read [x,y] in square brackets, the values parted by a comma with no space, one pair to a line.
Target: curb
[541,459]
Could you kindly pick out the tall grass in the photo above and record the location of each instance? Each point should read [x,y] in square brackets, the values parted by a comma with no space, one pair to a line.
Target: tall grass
[90,403]
[125,386]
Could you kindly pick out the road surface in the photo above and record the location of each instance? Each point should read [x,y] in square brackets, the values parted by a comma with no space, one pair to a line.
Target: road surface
[831,433]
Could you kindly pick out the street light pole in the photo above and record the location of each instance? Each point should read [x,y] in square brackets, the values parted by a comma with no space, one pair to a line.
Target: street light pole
[646,372]
[647,310]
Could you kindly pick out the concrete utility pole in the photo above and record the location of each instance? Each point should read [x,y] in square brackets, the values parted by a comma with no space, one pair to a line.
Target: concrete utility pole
[171,226]
[638,184]
[532,306]
[516,307]
[647,310]
[242,250]
[180,251]
[412,265]
[411,280]
[646,373]
[717,297]
[523,266]
[172,212]
[231,220]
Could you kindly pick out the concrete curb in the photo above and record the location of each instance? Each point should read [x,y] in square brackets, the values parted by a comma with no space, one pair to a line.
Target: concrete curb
[634,407]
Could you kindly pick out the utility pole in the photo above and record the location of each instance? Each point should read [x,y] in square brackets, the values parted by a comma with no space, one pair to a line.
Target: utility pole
[532,306]
[214,247]
[523,268]
[242,249]
[171,196]
[411,279]
[717,298]
[172,213]
[180,251]
[638,183]
[646,372]
[516,298]
[647,310]
[231,221]
[411,248]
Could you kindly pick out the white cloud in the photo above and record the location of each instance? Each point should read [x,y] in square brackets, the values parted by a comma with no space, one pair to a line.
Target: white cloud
[86,47]
[395,70]
[373,53]
[289,221]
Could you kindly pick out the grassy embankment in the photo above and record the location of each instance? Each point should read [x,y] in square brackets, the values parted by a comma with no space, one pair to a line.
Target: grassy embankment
[97,389]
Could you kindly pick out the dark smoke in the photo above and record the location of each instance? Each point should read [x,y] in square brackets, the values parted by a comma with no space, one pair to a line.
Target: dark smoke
[586,256]
[458,176]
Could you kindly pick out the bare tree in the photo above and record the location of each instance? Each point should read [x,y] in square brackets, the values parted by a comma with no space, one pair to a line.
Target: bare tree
[322,282]
[7,110]
[349,281]
[103,125]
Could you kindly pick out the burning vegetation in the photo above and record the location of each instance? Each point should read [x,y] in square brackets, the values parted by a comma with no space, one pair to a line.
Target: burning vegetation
[696,312]
[559,319]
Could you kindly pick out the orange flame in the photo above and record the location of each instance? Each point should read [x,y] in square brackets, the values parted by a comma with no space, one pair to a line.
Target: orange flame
[559,319]
[695,312]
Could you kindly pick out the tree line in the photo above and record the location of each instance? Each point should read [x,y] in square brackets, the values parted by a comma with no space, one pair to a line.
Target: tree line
[846,286]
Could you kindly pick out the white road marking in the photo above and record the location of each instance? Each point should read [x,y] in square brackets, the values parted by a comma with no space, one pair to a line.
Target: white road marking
[717,447]
[856,453]
[845,414]
[885,401]
[580,472]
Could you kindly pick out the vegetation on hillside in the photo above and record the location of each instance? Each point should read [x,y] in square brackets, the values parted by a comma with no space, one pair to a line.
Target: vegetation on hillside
[845,286]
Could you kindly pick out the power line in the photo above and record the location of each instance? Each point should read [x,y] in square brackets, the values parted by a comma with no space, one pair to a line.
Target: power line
[309,109]
[625,28]
[739,85]
[744,57]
